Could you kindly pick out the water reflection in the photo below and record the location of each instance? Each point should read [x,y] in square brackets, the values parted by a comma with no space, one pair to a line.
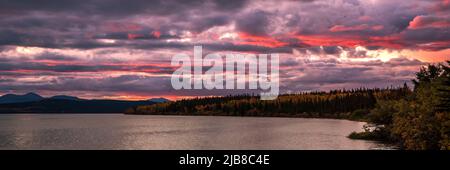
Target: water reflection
[114,131]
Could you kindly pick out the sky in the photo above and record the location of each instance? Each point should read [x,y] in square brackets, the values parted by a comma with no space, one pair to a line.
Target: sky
[121,49]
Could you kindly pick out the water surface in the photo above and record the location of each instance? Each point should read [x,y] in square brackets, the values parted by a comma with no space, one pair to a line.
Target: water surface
[116,131]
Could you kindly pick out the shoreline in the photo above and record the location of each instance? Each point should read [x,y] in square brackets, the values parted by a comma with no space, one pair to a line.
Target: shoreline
[282,115]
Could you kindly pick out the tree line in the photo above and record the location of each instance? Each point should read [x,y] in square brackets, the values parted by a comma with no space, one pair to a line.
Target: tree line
[350,104]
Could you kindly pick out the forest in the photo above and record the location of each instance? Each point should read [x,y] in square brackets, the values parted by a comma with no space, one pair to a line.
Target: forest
[349,104]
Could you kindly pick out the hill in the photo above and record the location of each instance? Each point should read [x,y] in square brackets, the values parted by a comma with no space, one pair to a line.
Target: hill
[71,106]
[14,98]
[159,100]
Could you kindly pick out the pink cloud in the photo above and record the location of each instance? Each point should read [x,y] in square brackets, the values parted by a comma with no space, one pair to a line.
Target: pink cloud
[260,41]
[421,21]
[120,27]
[134,36]
[156,34]
[442,6]
[343,28]
[365,18]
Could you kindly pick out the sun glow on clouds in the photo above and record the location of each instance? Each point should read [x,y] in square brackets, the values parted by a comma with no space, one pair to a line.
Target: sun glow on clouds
[229,35]
[28,50]
[182,40]
[373,1]
[129,53]
[357,54]
[428,56]
[107,41]
[137,97]
[383,55]
[264,41]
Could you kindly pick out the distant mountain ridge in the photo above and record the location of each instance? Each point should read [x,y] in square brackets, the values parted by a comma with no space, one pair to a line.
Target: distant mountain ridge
[14,98]
[34,103]
[159,100]
[64,97]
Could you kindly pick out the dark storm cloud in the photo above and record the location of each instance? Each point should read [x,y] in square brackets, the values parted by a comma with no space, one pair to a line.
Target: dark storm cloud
[33,66]
[428,35]
[136,35]
[245,48]
[71,23]
[398,62]
[12,37]
[254,23]
[115,7]
[331,49]
[124,83]
[338,75]
[400,22]
[227,5]
[203,23]
[55,68]
[8,37]
[211,47]
[74,24]
[319,75]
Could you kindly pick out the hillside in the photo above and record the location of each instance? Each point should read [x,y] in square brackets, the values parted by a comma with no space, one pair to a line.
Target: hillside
[71,106]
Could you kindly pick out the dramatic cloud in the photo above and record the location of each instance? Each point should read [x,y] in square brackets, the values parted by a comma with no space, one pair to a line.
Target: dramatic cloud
[429,22]
[122,49]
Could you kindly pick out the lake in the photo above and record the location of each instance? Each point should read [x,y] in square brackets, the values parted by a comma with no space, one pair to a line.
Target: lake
[117,131]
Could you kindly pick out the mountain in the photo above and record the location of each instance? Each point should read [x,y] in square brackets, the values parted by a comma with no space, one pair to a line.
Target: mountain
[64,97]
[159,100]
[14,98]
[50,105]
[34,103]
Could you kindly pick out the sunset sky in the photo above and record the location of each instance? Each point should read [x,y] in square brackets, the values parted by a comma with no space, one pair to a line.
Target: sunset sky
[121,49]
